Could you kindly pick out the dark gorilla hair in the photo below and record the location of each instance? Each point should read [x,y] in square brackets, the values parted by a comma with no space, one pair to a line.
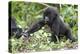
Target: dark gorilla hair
[57,26]
[14,29]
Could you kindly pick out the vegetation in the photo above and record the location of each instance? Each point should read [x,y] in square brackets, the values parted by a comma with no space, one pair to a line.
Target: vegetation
[27,13]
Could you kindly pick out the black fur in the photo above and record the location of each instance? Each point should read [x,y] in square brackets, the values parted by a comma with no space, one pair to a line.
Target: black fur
[13,29]
[57,26]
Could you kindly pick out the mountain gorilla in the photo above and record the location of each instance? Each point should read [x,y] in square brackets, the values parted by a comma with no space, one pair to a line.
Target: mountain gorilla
[57,26]
[13,29]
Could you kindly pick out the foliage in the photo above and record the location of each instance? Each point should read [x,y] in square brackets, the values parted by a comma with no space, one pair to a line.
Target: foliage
[27,13]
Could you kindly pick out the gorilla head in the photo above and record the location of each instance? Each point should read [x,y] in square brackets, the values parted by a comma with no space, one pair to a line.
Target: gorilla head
[50,14]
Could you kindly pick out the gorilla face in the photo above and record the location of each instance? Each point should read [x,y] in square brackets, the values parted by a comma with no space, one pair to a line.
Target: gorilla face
[49,14]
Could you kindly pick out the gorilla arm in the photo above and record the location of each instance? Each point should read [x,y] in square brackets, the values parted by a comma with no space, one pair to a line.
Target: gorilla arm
[35,27]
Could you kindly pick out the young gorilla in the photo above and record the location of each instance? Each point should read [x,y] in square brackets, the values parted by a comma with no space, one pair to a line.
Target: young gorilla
[52,19]
[13,29]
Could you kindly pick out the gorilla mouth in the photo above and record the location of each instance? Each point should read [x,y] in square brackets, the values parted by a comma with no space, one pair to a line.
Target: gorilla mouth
[46,19]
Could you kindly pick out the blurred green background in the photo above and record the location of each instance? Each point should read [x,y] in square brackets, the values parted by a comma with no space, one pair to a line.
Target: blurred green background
[27,13]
